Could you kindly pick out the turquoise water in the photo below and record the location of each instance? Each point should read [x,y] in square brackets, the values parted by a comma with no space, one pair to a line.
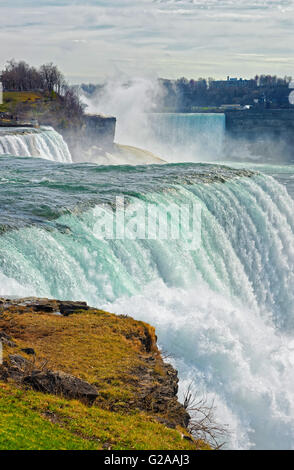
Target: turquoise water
[224,310]
[35,191]
[186,137]
[223,307]
[175,137]
[282,173]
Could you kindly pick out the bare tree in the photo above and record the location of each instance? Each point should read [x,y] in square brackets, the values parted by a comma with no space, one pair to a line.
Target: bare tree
[20,76]
[73,107]
[203,424]
[52,78]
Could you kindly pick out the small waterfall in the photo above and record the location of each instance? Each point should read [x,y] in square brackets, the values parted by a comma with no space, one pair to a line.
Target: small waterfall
[41,143]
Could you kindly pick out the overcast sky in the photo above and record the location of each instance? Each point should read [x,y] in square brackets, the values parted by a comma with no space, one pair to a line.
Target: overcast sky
[97,39]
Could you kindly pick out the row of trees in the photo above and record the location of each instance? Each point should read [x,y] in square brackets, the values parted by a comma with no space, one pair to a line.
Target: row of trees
[272,81]
[20,76]
[186,95]
[183,94]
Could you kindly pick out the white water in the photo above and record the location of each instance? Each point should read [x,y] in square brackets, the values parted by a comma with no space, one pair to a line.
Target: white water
[224,311]
[25,142]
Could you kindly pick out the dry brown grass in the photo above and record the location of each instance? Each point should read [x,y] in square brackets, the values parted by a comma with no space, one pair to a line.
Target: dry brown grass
[96,346]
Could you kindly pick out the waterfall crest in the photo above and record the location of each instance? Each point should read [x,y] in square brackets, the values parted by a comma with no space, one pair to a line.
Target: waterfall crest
[224,310]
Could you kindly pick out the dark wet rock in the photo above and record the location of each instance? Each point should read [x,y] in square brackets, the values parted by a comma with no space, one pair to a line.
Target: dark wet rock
[60,383]
[29,351]
[60,307]
[68,308]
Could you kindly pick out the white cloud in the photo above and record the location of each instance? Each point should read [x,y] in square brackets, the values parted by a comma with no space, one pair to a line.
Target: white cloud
[93,39]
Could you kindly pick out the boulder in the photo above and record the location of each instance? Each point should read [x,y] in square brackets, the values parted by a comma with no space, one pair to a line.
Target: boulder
[60,383]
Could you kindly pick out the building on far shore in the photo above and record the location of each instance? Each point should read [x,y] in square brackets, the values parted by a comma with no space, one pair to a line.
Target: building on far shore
[232,81]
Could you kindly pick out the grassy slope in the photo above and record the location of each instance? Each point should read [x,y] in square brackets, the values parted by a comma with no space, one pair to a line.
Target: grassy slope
[47,108]
[105,350]
[31,420]
[13,98]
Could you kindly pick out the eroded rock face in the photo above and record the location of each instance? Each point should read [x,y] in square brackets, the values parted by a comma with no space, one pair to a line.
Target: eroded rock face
[160,396]
[260,134]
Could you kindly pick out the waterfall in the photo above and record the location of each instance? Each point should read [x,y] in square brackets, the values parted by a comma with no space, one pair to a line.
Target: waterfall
[42,143]
[224,310]
[192,137]
[175,137]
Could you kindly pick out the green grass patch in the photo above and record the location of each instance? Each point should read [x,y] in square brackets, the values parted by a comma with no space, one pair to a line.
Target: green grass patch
[11,99]
[31,420]
[109,351]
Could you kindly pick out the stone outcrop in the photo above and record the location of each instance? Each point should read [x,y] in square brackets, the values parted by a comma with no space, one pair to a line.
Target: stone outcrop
[24,372]
[57,307]
[159,396]
[59,383]
[153,382]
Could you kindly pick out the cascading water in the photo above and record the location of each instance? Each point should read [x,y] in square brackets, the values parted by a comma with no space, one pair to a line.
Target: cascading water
[224,310]
[27,142]
[176,137]
[187,136]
